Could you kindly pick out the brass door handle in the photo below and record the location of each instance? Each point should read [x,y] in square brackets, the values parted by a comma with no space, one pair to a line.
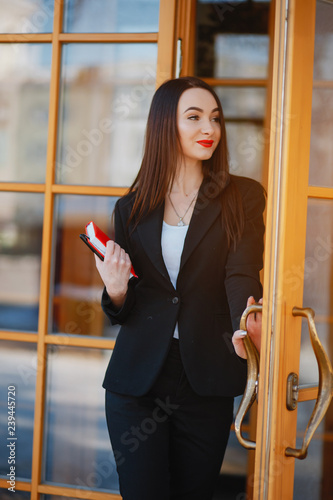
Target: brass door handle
[249,395]
[325,387]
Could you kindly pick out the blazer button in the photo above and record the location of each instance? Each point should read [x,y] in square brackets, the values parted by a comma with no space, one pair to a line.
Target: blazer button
[175,300]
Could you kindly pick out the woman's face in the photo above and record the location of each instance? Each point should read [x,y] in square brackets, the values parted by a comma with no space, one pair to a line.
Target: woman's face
[198,123]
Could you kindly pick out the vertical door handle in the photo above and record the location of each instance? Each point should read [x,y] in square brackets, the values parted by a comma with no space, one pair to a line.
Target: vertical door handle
[249,395]
[325,387]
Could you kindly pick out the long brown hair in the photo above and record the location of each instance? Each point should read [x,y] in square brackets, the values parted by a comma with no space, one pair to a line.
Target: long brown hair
[161,155]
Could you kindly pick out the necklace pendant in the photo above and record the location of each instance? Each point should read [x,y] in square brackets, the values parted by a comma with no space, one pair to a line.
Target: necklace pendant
[181,223]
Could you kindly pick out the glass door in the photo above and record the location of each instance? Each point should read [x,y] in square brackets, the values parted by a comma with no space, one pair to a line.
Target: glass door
[295,371]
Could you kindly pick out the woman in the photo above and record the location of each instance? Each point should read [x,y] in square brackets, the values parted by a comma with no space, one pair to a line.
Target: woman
[194,235]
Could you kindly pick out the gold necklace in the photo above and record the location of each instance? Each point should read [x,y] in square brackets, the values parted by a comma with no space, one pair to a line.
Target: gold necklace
[181,223]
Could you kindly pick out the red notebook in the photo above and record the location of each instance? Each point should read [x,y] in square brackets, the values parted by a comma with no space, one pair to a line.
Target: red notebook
[96,240]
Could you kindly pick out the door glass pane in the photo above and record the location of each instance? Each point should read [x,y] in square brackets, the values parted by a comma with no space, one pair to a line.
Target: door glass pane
[321,157]
[105,96]
[309,472]
[26,16]
[21,220]
[77,450]
[57,497]
[77,285]
[244,112]
[240,56]
[111,16]
[314,479]
[233,42]
[318,264]
[19,495]
[18,365]
[321,148]
[24,102]
[246,157]
[232,479]
[232,39]
[323,68]
[244,103]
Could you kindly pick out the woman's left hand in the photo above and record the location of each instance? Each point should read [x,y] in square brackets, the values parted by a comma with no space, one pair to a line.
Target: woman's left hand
[253,325]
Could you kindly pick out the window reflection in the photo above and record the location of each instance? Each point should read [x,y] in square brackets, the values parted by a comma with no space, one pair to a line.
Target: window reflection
[321,149]
[318,263]
[233,42]
[56,497]
[242,103]
[19,495]
[317,269]
[321,153]
[21,220]
[105,97]
[78,450]
[24,102]
[77,285]
[323,68]
[244,112]
[26,16]
[111,16]
[240,56]
[18,365]
[308,473]
[246,143]
[232,39]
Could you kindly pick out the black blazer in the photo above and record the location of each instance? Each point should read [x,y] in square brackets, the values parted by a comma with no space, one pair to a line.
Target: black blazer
[211,293]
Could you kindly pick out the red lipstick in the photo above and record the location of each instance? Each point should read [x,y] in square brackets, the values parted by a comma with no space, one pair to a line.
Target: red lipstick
[205,144]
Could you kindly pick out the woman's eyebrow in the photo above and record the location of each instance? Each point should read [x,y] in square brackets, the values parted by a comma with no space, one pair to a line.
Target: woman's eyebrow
[199,109]
[195,108]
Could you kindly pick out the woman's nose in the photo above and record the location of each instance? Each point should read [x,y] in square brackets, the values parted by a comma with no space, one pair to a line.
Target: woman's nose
[207,127]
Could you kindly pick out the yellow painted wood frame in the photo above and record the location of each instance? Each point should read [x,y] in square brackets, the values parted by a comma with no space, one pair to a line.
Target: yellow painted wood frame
[286,218]
[186,18]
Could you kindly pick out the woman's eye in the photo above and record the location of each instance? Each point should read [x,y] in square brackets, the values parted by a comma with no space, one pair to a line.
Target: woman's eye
[197,117]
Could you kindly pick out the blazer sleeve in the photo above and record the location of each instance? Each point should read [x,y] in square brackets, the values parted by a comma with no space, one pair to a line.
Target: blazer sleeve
[246,260]
[118,316]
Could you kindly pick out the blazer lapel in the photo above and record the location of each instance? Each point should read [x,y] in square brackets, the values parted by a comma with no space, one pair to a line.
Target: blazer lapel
[205,212]
[150,231]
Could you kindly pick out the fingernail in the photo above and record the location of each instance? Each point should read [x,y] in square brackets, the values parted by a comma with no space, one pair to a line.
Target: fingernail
[243,333]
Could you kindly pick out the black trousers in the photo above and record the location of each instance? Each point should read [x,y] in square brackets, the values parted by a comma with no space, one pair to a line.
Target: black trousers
[169,443]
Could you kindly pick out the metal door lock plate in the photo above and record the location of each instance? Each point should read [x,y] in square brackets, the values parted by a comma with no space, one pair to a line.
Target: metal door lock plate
[292,391]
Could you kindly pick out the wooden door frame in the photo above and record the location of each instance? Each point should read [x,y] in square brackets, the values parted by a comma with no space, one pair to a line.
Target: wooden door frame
[286,213]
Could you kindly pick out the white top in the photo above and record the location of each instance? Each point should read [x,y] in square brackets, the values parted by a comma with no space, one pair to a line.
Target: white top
[172,243]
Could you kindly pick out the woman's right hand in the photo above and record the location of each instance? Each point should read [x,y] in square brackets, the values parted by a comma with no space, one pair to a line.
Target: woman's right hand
[253,326]
[115,272]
